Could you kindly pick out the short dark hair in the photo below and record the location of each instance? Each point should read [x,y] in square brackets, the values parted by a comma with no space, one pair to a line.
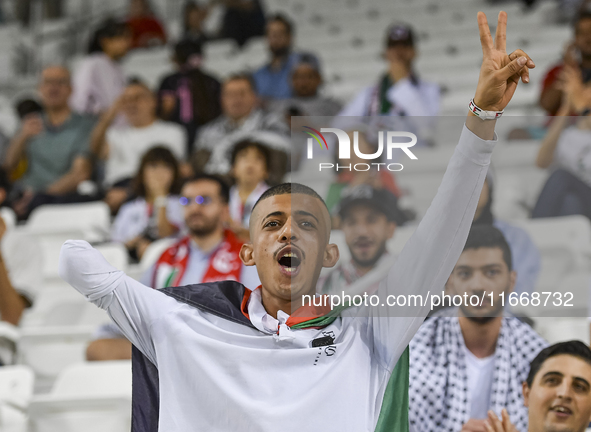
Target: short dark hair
[581,16]
[136,80]
[246,144]
[110,28]
[187,49]
[242,76]
[573,348]
[224,188]
[283,19]
[286,189]
[158,154]
[487,236]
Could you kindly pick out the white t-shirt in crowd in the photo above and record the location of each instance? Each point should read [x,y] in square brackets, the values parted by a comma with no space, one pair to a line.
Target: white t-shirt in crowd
[97,83]
[128,144]
[480,372]
[136,216]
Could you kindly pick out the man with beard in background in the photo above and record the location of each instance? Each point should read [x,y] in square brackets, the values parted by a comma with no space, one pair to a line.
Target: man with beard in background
[369,218]
[466,361]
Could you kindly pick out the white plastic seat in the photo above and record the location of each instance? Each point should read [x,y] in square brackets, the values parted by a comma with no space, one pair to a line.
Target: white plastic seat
[49,350]
[16,391]
[58,304]
[89,397]
[151,255]
[9,335]
[91,219]
[51,245]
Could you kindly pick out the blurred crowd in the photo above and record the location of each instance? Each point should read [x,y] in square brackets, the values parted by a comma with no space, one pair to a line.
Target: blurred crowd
[187,161]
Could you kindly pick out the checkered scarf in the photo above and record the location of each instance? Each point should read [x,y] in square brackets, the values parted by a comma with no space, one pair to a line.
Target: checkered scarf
[439,398]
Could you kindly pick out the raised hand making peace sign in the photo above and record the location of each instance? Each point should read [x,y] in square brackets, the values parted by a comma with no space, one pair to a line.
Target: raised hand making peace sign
[500,72]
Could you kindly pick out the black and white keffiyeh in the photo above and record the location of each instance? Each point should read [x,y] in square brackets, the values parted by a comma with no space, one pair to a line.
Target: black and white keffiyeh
[439,397]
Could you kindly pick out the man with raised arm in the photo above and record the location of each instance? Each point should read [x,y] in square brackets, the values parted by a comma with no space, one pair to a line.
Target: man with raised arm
[233,359]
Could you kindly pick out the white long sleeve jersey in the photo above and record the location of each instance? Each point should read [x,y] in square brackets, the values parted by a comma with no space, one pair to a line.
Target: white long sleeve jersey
[217,375]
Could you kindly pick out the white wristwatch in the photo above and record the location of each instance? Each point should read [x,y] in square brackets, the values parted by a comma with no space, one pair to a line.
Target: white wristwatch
[484,115]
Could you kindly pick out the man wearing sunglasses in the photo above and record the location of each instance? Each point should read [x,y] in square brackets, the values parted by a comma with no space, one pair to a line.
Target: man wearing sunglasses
[208,253]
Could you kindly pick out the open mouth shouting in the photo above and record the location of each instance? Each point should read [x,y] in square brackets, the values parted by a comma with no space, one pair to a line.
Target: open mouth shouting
[289,260]
[561,411]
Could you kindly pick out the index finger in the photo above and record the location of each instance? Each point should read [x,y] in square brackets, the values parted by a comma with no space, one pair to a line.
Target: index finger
[501,32]
[486,39]
[506,420]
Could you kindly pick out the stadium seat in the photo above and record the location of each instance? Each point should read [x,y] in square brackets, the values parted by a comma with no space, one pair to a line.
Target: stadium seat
[9,335]
[16,392]
[49,350]
[563,329]
[91,219]
[89,397]
[151,255]
[51,244]
[58,304]
[565,246]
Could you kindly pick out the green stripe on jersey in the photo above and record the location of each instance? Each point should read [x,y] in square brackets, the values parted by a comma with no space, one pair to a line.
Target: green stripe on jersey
[394,411]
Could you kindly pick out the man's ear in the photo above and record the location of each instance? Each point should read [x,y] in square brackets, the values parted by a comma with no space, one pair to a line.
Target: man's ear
[247,254]
[525,390]
[331,255]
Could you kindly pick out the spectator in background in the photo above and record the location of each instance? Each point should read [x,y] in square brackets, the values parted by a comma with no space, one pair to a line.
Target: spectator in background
[210,252]
[557,391]
[273,81]
[189,97]
[194,16]
[466,361]
[100,80]
[240,119]
[400,91]
[576,56]
[306,80]
[146,30]
[250,170]
[23,108]
[156,212]
[368,218]
[567,147]
[243,19]
[55,144]
[122,147]
[526,259]
[382,179]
